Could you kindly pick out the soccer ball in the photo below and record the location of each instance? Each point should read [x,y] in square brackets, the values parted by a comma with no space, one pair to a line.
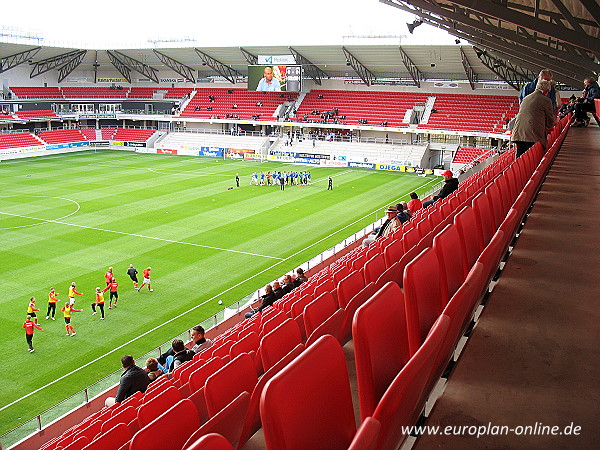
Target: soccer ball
[220,302]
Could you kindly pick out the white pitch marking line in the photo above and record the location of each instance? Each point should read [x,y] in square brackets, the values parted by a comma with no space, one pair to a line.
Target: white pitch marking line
[140,235]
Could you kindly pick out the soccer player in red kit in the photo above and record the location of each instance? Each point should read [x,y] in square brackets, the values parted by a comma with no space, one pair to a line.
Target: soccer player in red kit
[146,280]
[30,326]
[113,286]
[108,275]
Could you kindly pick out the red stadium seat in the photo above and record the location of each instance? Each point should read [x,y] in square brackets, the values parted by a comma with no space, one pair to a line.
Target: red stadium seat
[125,416]
[374,267]
[279,342]
[212,441]
[227,383]
[248,343]
[252,421]
[317,311]
[228,422]
[361,297]
[380,345]
[153,408]
[469,233]
[348,287]
[422,296]
[309,402]
[111,439]
[403,401]
[169,430]
[485,217]
[78,443]
[453,261]
[199,376]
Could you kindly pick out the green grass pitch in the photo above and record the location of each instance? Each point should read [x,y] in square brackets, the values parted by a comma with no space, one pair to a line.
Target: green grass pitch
[69,217]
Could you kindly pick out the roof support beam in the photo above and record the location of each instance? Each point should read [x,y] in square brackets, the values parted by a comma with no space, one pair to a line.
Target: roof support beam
[469,72]
[8,62]
[567,15]
[507,72]
[185,71]
[222,69]
[134,64]
[524,57]
[48,64]
[123,68]
[412,69]
[309,68]
[250,58]
[363,72]
[592,8]
[562,33]
[70,66]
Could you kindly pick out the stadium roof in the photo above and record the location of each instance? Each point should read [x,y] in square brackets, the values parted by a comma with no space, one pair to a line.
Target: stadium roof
[562,35]
[410,64]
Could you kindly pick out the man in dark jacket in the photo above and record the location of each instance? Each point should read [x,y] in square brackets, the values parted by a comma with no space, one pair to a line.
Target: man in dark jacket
[450,185]
[133,380]
[586,102]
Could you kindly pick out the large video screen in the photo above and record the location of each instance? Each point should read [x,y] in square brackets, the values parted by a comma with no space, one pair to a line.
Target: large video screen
[275,78]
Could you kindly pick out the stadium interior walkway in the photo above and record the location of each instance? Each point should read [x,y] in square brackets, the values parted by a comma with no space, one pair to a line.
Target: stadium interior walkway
[533,356]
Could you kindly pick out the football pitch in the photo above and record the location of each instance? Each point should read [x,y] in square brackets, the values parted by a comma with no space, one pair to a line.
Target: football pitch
[69,217]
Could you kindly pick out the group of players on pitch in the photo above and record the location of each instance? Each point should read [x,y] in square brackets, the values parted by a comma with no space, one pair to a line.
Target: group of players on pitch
[31,323]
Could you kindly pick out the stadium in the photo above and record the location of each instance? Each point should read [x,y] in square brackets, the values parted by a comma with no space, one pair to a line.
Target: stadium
[214,173]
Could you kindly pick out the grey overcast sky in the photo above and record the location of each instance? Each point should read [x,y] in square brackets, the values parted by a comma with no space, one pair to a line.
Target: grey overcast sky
[111,23]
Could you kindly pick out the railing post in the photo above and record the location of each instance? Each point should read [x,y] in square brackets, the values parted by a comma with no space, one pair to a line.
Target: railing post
[87,396]
[39,421]
[215,320]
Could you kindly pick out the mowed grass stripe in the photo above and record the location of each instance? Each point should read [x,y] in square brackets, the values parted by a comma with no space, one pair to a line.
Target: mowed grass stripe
[185,276]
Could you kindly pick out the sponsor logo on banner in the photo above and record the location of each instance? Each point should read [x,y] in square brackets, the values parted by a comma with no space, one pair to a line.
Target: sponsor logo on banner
[118,143]
[312,155]
[410,170]
[144,80]
[135,144]
[360,165]
[326,162]
[390,167]
[166,151]
[213,152]
[99,144]
[77,80]
[353,81]
[174,80]
[240,150]
[307,161]
[112,80]
[341,158]
[276,59]
[503,86]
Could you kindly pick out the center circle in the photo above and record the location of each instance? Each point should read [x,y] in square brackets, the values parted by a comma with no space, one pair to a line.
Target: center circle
[5,210]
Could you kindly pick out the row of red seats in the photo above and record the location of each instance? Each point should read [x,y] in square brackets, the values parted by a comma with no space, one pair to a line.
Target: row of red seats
[466,155]
[14,140]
